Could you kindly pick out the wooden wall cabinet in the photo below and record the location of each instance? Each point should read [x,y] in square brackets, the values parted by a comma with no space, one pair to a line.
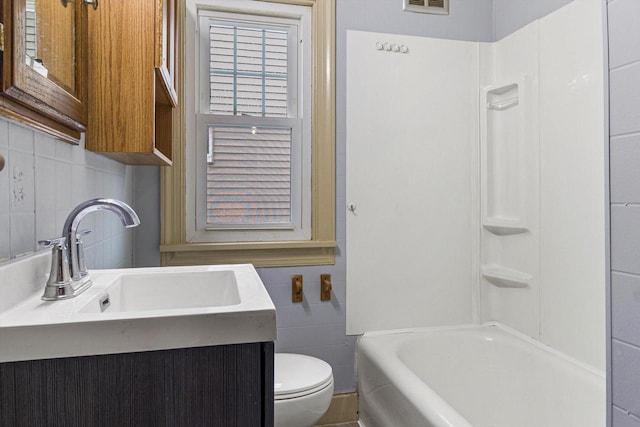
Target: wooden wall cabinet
[132,91]
[43,65]
[67,68]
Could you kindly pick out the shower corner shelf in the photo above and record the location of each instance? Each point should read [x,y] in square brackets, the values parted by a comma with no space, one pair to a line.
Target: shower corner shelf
[503,105]
[503,141]
[504,229]
[503,277]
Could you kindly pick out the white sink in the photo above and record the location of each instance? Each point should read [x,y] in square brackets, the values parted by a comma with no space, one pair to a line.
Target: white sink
[145,309]
[166,291]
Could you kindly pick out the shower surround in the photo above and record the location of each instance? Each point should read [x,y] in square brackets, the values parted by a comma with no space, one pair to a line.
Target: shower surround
[486,185]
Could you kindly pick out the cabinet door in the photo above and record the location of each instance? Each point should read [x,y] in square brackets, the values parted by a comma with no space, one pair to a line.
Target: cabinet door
[121,110]
[227,386]
[44,64]
[130,94]
[166,42]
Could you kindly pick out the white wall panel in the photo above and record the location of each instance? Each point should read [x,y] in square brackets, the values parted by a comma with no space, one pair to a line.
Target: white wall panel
[514,59]
[411,143]
[572,182]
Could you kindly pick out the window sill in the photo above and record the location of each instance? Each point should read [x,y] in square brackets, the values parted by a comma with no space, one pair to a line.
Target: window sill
[260,254]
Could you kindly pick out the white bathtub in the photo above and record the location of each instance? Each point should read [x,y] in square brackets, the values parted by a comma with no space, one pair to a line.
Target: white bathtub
[480,376]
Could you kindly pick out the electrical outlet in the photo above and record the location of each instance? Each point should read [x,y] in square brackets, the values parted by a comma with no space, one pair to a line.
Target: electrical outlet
[325,287]
[296,288]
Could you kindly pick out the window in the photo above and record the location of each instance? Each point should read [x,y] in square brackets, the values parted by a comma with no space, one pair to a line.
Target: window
[252,119]
[258,101]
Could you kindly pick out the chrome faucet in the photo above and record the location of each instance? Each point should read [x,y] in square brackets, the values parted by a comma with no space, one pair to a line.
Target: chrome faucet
[69,276]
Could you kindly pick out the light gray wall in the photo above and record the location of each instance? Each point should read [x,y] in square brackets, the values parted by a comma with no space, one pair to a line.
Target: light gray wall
[147,205]
[511,15]
[470,20]
[624,128]
[43,180]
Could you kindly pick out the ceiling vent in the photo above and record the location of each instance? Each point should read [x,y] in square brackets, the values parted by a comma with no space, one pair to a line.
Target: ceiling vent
[438,7]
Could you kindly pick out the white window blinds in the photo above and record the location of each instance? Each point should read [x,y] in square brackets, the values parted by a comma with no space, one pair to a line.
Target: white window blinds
[248,70]
[255,183]
[30,29]
[249,175]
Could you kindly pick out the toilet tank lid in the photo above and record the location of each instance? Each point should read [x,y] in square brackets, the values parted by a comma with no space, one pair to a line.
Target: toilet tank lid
[295,373]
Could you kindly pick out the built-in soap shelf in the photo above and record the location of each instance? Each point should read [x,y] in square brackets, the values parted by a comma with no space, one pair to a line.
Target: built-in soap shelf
[503,104]
[504,226]
[504,277]
[504,108]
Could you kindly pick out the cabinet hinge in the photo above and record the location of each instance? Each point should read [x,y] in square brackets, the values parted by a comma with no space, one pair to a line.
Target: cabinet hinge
[1,37]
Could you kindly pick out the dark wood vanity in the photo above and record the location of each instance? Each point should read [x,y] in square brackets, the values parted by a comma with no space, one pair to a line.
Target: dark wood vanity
[218,386]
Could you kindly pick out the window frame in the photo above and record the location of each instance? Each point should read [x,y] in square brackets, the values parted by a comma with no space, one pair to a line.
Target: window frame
[320,248]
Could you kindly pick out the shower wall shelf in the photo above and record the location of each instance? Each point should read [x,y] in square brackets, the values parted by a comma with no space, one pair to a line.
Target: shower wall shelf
[505,112]
[503,229]
[504,104]
[503,277]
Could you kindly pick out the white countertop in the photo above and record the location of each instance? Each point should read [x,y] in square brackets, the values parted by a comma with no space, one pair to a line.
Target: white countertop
[36,329]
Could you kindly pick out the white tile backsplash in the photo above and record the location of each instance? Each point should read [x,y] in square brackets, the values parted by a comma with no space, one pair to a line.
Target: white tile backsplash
[63,185]
[5,251]
[23,236]
[45,186]
[44,179]
[83,188]
[45,145]
[64,152]
[45,189]
[21,182]
[4,134]
[4,183]
[20,138]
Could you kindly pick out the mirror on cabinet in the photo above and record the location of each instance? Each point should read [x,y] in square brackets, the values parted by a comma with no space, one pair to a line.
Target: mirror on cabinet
[44,65]
[49,35]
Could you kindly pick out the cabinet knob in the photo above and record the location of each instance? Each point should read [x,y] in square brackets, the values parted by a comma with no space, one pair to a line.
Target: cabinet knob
[93,3]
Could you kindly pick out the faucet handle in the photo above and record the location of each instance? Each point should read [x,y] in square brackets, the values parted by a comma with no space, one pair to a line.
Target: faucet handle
[58,241]
[59,283]
[82,267]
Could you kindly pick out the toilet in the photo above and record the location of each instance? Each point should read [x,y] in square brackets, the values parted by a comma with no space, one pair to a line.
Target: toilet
[303,388]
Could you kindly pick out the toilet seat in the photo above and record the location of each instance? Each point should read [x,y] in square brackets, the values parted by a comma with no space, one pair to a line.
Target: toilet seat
[297,375]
